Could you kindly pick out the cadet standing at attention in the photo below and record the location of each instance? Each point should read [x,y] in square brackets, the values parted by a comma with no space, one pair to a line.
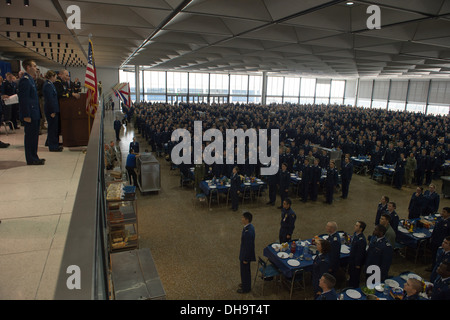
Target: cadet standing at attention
[30,112]
[288,218]
[247,252]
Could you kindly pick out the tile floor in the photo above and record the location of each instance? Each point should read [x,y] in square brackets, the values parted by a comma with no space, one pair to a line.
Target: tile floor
[195,248]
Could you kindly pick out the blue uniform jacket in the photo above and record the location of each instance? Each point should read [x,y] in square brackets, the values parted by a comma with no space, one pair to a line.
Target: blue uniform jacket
[117,124]
[28,99]
[335,253]
[440,256]
[440,231]
[432,202]
[330,295]
[288,218]
[247,251]
[51,104]
[357,250]
[380,254]
[285,180]
[347,172]
[134,146]
[441,289]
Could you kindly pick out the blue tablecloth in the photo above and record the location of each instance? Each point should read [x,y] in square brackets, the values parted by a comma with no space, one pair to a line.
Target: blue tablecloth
[381,295]
[413,239]
[387,169]
[304,257]
[206,187]
[360,160]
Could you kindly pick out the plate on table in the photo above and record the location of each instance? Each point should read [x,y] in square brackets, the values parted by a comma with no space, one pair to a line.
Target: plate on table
[293,262]
[228,185]
[247,183]
[353,294]
[259,182]
[325,237]
[391,283]
[437,215]
[419,235]
[276,246]
[282,255]
[345,249]
[414,276]
[213,186]
[379,287]
[401,229]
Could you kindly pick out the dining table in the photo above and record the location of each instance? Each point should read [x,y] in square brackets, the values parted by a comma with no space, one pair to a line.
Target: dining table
[301,258]
[390,289]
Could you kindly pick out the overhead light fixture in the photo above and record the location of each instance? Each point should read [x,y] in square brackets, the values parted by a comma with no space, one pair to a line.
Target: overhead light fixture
[26,3]
[8,2]
[350,3]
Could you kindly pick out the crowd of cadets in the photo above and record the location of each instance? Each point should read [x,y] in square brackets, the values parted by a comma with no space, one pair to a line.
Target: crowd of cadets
[379,134]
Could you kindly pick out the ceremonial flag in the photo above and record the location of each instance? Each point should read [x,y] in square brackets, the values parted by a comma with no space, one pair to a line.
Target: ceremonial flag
[122,90]
[90,83]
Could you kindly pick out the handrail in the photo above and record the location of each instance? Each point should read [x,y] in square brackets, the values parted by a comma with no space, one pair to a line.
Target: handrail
[83,273]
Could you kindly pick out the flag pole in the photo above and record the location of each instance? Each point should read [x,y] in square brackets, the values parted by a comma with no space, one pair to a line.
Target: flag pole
[89,116]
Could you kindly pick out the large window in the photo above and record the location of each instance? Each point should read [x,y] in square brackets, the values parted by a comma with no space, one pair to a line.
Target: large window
[275,86]
[337,91]
[218,84]
[238,88]
[291,89]
[198,84]
[177,82]
[322,91]
[307,90]
[254,89]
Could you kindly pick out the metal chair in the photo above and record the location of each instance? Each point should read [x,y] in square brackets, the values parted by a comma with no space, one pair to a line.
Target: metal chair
[247,193]
[184,179]
[297,281]
[213,192]
[266,271]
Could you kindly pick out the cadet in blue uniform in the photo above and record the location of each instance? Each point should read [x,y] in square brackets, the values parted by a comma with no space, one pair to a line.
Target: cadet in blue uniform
[51,109]
[331,182]
[272,184]
[411,289]
[357,254]
[399,171]
[315,179]
[117,127]
[321,264]
[9,88]
[288,218]
[30,112]
[306,179]
[395,219]
[134,145]
[285,180]
[432,200]
[246,252]
[234,188]
[327,283]
[416,204]
[335,243]
[379,252]
[440,232]
[442,254]
[382,207]
[346,176]
[441,287]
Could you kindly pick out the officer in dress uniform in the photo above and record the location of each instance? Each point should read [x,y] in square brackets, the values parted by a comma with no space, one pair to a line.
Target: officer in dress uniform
[134,145]
[381,208]
[331,182]
[30,112]
[335,242]
[440,232]
[51,109]
[9,88]
[246,252]
[287,224]
[379,252]
[399,171]
[315,179]
[357,254]
[306,179]
[346,176]
[441,287]
[285,180]
[442,254]
[234,188]
[395,219]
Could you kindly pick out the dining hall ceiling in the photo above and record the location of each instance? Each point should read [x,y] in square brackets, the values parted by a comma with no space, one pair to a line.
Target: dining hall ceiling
[318,38]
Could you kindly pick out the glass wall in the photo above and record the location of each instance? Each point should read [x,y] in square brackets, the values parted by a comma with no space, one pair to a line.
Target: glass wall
[415,95]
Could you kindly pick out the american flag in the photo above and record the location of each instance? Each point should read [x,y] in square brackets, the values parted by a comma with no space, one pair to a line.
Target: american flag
[90,83]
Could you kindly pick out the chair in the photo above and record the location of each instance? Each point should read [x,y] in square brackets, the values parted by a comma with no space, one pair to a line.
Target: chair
[297,281]
[213,192]
[261,191]
[199,198]
[266,271]
[6,124]
[247,193]
[184,179]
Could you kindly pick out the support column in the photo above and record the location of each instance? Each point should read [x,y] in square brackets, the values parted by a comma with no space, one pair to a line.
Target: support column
[264,88]
[137,84]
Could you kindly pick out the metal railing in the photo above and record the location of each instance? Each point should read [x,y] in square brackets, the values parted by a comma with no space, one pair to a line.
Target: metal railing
[84,269]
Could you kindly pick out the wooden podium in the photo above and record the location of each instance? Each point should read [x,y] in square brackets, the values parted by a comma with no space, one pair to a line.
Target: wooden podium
[74,121]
